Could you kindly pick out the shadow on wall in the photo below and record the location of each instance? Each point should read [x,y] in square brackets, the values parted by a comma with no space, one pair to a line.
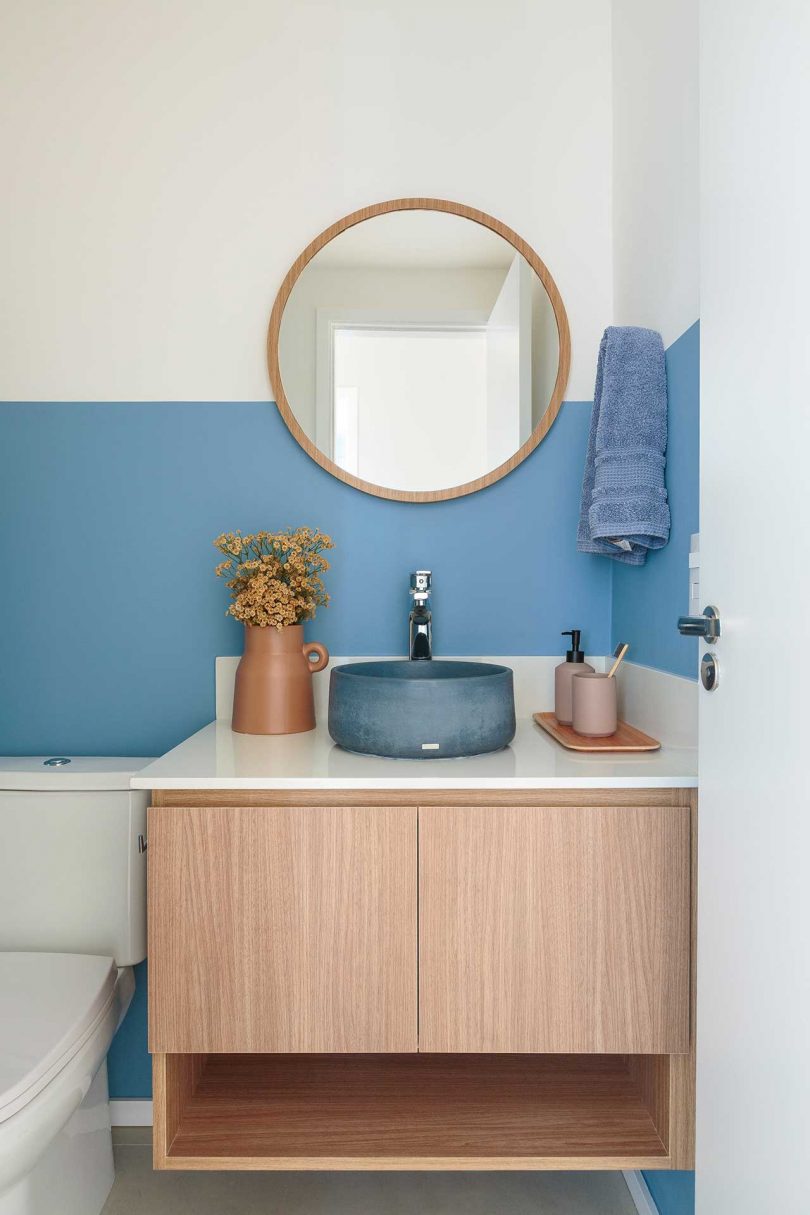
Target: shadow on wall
[129,1066]
[648,599]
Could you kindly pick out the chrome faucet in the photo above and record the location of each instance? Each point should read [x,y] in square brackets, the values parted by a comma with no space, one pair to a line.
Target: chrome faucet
[420,626]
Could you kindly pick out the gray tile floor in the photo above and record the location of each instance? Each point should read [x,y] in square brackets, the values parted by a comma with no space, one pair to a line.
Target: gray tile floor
[140,1191]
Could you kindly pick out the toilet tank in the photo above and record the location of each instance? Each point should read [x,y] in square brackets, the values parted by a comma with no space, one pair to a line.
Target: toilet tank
[72,856]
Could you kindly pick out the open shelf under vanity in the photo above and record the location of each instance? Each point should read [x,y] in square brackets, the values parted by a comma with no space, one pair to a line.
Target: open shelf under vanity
[412,1111]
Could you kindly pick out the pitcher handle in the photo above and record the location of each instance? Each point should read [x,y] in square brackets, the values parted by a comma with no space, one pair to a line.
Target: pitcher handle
[315,647]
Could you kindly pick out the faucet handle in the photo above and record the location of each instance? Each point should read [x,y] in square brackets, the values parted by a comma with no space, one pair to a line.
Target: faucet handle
[420,584]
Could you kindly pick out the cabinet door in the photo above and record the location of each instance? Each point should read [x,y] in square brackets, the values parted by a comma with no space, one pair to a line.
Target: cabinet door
[282,929]
[546,929]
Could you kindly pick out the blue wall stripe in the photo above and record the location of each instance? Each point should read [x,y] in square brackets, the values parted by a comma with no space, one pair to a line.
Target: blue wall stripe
[129,1065]
[109,635]
[673,1192]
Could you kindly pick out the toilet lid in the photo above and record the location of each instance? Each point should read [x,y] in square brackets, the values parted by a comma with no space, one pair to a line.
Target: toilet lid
[48,1003]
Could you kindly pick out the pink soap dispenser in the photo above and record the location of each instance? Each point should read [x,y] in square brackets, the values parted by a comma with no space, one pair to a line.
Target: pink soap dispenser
[564,675]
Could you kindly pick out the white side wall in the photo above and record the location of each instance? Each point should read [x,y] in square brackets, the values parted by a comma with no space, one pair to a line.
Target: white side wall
[655,150]
[164,163]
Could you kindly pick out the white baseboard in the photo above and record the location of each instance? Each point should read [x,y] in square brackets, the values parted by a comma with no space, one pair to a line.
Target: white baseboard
[639,1192]
[136,1112]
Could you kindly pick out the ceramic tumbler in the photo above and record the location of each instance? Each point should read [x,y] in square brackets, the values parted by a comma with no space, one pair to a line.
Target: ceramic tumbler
[594,712]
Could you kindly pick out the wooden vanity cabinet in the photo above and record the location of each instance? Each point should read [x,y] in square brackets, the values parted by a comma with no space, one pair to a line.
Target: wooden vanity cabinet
[554,930]
[490,981]
[284,928]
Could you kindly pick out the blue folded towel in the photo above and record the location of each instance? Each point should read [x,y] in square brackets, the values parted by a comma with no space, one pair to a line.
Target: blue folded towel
[624,510]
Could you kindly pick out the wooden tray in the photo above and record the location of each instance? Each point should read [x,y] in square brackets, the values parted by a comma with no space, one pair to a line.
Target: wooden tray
[626,738]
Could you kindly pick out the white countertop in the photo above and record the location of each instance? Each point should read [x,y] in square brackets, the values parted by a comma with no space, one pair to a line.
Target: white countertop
[216,758]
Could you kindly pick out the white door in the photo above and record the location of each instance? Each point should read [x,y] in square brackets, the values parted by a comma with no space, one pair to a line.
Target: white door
[509,365]
[753,1031]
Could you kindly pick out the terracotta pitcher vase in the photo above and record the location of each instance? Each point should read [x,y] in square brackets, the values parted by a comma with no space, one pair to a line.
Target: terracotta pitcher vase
[273,690]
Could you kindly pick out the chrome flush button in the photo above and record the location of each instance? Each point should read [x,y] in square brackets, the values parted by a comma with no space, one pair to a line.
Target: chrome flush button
[58,761]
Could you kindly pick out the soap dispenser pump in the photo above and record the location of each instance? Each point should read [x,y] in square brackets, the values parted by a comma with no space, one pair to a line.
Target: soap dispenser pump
[564,675]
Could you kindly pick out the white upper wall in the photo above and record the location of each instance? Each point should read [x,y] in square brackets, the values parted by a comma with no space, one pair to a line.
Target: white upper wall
[164,163]
[655,165]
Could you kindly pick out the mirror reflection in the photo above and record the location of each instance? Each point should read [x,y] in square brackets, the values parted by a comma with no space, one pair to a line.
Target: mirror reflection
[418,350]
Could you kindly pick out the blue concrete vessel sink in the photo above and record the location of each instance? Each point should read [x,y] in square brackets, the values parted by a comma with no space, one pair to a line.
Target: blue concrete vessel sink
[428,709]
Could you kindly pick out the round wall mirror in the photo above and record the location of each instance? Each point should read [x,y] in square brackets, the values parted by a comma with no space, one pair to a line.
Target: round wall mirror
[418,350]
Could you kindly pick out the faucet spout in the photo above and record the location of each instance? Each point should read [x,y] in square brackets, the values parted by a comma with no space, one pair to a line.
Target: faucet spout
[420,620]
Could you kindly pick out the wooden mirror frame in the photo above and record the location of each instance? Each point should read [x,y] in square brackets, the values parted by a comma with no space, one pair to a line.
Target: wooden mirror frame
[479,217]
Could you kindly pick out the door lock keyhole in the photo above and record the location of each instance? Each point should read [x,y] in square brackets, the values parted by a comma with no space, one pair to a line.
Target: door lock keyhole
[709,672]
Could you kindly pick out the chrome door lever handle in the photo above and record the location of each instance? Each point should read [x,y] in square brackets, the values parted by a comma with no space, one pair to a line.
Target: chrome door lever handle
[706,626]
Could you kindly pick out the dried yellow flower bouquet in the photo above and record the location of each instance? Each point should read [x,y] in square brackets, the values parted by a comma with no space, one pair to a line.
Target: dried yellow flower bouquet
[274,577]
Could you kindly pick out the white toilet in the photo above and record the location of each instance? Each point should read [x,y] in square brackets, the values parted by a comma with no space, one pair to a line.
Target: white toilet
[72,925]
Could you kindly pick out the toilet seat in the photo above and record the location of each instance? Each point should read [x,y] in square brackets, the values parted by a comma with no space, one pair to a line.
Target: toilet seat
[50,1005]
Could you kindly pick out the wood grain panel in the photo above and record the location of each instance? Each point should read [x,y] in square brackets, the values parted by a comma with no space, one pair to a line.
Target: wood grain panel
[560,929]
[682,1068]
[282,929]
[667,1082]
[174,1079]
[427,797]
[415,1111]
[652,1075]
